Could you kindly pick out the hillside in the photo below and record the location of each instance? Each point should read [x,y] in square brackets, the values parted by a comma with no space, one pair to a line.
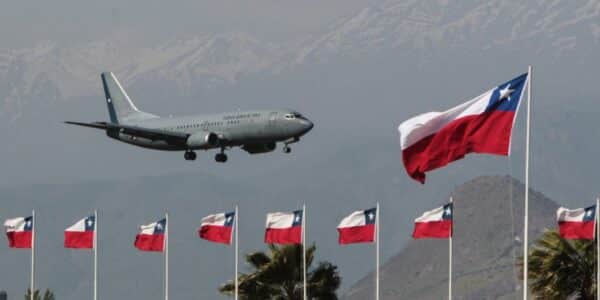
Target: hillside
[485,247]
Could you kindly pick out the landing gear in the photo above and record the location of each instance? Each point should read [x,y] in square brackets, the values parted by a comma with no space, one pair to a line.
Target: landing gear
[221,157]
[287,149]
[189,155]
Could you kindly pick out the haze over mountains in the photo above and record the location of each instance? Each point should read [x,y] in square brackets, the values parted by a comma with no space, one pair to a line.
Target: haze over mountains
[357,79]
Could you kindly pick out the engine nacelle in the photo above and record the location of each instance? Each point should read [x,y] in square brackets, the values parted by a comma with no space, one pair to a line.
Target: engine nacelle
[203,140]
[259,148]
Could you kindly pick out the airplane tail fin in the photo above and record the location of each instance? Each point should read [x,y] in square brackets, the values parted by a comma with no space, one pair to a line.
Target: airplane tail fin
[120,106]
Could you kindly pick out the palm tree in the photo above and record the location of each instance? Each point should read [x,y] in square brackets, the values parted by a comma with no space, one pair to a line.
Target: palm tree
[562,269]
[48,295]
[279,276]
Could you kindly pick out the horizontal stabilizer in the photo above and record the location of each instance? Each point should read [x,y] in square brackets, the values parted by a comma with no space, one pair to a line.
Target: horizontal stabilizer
[98,125]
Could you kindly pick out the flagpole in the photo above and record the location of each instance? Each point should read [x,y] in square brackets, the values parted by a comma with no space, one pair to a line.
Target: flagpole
[236,254]
[304,251]
[167,256]
[33,227]
[597,250]
[526,219]
[450,257]
[377,252]
[95,255]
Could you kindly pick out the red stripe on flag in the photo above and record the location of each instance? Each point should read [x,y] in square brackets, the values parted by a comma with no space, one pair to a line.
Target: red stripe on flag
[292,235]
[150,242]
[436,229]
[79,240]
[217,234]
[357,234]
[19,239]
[487,133]
[576,230]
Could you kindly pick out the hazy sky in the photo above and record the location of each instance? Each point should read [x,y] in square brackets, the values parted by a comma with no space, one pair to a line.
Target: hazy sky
[23,23]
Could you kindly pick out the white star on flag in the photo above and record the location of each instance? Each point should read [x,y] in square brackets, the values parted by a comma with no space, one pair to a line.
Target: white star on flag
[90,223]
[158,226]
[448,211]
[506,92]
[371,216]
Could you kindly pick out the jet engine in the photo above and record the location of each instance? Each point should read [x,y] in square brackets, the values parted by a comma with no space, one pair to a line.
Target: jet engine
[259,148]
[203,140]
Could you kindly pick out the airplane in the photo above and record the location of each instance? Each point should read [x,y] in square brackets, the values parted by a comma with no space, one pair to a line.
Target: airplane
[254,131]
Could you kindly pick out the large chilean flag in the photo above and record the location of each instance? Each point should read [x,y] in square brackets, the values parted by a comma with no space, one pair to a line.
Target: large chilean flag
[152,237]
[358,227]
[19,232]
[217,228]
[576,223]
[81,234]
[284,228]
[482,125]
[436,223]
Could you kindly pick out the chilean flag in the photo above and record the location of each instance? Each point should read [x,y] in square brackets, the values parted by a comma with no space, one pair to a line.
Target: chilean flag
[284,228]
[217,228]
[435,223]
[482,125]
[358,227]
[19,232]
[576,223]
[152,237]
[81,234]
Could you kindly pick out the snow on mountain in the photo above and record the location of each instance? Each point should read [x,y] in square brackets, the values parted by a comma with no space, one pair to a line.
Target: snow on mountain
[427,24]
[51,71]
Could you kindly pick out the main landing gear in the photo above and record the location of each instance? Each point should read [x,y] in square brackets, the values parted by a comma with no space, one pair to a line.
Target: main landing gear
[189,155]
[221,157]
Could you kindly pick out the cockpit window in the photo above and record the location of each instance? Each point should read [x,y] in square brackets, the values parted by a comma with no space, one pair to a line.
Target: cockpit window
[290,116]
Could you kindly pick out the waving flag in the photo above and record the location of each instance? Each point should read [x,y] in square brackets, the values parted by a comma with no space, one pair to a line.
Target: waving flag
[576,223]
[217,228]
[284,228]
[19,232]
[435,223]
[482,125]
[81,234]
[358,227]
[152,237]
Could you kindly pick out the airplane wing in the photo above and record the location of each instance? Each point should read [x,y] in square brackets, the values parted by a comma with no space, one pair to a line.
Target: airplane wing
[171,137]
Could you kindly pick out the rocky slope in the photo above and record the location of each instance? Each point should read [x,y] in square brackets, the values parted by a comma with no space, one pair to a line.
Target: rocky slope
[487,239]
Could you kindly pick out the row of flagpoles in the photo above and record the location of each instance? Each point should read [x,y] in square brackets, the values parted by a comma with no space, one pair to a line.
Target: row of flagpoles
[361,226]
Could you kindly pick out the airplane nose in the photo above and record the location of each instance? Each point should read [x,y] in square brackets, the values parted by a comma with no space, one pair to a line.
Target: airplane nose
[306,126]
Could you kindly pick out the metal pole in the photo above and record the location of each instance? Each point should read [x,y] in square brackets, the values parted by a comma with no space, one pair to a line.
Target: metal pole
[526,219]
[597,234]
[236,254]
[304,251]
[450,256]
[33,226]
[166,256]
[377,252]
[95,255]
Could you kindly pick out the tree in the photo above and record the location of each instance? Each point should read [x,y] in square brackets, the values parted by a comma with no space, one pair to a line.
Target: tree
[562,269]
[48,295]
[278,276]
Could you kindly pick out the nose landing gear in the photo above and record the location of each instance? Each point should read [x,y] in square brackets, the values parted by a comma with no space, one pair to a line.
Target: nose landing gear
[287,149]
